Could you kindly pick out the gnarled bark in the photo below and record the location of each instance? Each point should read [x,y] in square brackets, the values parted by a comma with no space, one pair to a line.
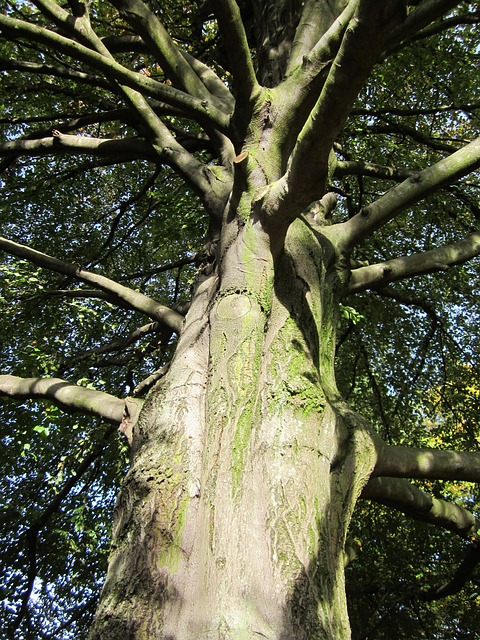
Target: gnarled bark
[246,465]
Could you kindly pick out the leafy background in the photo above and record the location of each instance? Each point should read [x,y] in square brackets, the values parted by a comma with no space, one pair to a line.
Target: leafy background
[408,357]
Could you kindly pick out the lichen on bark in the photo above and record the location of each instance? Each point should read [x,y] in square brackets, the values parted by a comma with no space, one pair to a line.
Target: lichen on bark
[240,504]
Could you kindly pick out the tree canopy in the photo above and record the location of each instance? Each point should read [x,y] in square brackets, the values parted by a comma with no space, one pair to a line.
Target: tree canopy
[123,130]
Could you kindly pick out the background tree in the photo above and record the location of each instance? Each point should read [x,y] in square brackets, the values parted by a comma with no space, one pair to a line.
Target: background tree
[229,228]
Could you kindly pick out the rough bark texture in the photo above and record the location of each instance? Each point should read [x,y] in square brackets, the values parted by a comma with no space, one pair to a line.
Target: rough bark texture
[246,462]
[232,520]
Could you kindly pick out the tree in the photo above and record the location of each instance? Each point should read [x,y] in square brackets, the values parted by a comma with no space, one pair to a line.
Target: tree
[327,153]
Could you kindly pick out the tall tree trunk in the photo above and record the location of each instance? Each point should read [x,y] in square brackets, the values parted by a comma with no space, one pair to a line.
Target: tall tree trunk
[245,469]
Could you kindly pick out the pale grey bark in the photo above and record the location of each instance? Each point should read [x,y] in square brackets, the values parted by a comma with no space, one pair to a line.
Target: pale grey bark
[312,27]
[434,464]
[246,463]
[69,397]
[362,41]
[122,150]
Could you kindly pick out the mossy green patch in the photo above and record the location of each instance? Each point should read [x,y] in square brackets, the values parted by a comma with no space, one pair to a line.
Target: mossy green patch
[295,374]
[246,367]
[170,553]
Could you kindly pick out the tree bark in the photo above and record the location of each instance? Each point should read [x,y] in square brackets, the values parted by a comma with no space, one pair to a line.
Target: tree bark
[245,463]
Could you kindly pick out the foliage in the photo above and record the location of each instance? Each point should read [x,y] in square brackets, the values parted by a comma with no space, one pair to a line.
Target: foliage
[407,355]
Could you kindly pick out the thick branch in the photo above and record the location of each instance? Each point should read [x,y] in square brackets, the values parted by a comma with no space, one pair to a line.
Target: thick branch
[312,27]
[378,275]
[134,299]
[401,495]
[316,59]
[78,24]
[161,139]
[122,150]
[202,110]
[433,464]
[176,66]
[68,397]
[210,79]
[211,186]
[361,45]
[411,191]
[301,89]
[230,23]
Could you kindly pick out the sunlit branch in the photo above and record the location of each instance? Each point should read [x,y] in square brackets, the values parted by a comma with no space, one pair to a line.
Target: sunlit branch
[210,79]
[78,24]
[158,134]
[432,464]
[304,80]
[75,22]
[376,276]
[202,110]
[406,497]
[315,30]
[68,397]
[211,186]
[231,27]
[411,191]
[124,149]
[80,28]
[176,67]
[134,299]
[362,42]
[319,57]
